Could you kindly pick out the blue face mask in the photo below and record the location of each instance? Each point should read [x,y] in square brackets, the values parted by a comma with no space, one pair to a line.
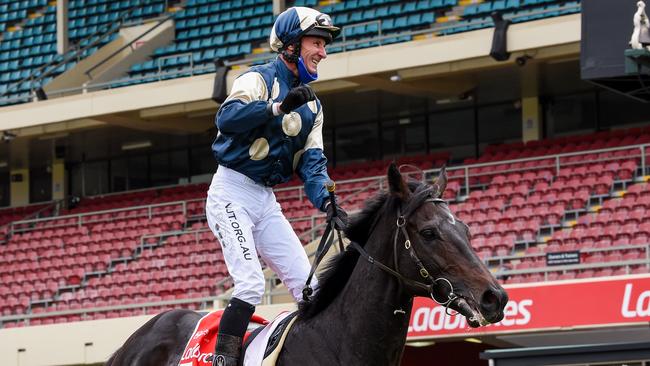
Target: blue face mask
[303,74]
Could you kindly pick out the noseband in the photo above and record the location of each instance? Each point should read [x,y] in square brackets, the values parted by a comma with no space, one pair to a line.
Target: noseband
[422,195]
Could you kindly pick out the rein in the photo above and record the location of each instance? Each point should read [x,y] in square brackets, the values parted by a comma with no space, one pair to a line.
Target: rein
[325,243]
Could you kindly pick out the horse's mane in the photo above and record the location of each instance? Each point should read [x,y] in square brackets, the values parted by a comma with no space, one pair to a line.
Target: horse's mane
[338,269]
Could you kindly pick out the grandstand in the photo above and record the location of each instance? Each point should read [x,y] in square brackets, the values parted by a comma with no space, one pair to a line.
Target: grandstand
[106,158]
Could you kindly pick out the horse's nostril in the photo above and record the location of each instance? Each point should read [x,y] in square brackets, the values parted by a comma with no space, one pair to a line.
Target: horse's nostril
[491,301]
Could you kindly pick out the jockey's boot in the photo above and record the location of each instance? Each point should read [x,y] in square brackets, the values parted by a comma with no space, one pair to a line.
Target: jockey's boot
[232,328]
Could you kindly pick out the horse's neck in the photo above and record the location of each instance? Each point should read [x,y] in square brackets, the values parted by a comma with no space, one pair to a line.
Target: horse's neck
[371,312]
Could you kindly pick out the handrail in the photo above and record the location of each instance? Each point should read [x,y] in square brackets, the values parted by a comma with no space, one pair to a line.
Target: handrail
[221,283]
[80,216]
[378,179]
[105,30]
[6,228]
[469,169]
[194,233]
[352,26]
[106,308]
[119,50]
[503,258]
[161,60]
[264,57]
[225,280]
[66,58]
[571,267]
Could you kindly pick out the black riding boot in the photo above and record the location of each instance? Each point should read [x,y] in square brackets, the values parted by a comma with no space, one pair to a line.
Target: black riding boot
[227,351]
[232,328]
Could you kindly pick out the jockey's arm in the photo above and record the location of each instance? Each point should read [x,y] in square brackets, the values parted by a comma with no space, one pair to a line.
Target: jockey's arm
[312,167]
[246,106]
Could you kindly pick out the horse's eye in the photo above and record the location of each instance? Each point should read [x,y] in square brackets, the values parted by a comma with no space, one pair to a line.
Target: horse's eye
[429,234]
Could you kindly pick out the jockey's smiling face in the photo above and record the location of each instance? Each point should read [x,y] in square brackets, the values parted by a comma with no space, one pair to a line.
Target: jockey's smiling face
[312,50]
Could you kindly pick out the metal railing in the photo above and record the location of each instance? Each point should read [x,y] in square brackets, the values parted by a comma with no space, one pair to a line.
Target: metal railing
[196,233]
[161,21]
[468,174]
[80,219]
[501,261]
[210,301]
[84,312]
[356,26]
[378,183]
[161,60]
[74,53]
[471,172]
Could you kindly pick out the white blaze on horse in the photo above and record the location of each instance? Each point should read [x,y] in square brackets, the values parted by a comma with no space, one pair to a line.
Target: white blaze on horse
[406,243]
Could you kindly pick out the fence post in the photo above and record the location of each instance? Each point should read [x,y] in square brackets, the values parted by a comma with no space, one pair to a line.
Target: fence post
[466,181]
[379,32]
[643,167]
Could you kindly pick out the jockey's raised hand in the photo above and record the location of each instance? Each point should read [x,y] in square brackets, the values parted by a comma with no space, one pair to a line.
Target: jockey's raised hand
[296,98]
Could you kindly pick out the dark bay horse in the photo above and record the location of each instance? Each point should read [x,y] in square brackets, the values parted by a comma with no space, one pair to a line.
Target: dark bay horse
[408,244]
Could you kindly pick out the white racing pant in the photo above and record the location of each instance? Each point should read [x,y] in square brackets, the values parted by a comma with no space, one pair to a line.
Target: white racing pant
[248,221]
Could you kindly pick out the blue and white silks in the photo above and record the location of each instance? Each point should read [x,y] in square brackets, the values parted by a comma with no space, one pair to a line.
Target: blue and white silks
[267,148]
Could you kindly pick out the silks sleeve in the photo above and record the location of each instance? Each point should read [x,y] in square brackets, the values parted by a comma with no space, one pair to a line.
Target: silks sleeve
[312,166]
[246,106]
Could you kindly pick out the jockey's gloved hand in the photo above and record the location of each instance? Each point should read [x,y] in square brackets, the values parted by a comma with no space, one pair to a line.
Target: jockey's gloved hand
[340,220]
[297,97]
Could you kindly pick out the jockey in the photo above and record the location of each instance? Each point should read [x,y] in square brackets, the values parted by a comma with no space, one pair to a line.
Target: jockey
[270,126]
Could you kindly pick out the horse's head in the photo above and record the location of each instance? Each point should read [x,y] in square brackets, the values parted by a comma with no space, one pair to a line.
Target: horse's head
[433,248]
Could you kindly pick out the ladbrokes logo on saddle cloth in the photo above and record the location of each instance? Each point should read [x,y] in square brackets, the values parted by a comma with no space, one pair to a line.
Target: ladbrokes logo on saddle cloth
[200,348]
[263,350]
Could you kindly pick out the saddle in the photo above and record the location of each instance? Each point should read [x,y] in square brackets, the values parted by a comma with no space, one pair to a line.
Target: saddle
[270,339]
[261,346]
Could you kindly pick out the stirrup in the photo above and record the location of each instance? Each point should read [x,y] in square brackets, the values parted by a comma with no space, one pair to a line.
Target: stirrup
[221,360]
[228,350]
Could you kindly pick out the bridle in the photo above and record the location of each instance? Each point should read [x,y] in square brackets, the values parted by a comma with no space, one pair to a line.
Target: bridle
[421,196]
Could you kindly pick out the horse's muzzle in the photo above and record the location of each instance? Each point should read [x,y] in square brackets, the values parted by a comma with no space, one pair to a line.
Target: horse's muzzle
[493,301]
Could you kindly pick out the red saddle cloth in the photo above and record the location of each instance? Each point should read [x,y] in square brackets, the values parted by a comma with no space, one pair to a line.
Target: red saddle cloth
[200,347]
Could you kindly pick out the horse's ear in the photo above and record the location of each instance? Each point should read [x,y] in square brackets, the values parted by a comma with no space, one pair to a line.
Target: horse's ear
[396,182]
[440,183]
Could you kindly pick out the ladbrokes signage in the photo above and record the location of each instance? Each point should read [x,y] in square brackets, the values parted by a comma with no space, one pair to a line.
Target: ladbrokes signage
[599,302]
